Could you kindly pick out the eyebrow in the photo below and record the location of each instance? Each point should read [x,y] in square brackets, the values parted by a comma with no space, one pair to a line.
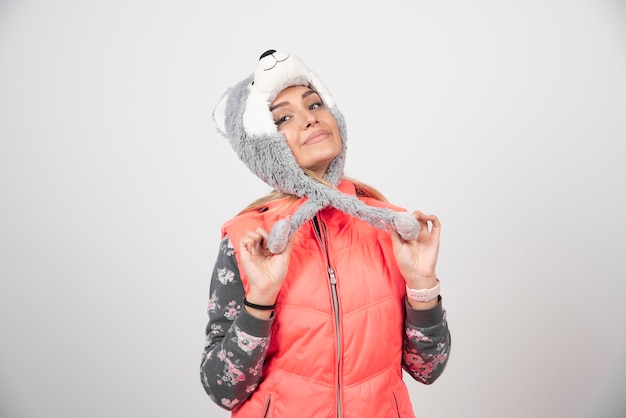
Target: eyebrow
[304,96]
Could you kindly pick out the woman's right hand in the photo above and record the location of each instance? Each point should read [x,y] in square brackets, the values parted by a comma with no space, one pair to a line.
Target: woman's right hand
[266,271]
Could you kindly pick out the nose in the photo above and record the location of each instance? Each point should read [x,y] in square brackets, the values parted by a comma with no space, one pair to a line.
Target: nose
[266,53]
[309,118]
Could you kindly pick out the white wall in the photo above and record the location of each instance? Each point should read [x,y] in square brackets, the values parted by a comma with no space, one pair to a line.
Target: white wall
[507,119]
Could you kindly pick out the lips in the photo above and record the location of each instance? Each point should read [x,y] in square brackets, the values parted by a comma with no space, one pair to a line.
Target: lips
[316,137]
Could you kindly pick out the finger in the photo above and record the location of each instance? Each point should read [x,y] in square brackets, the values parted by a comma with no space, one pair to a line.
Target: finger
[252,241]
[423,221]
[436,229]
[248,245]
[287,251]
[263,236]
[423,218]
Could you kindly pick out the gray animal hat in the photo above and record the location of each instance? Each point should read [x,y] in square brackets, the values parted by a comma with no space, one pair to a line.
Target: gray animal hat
[244,118]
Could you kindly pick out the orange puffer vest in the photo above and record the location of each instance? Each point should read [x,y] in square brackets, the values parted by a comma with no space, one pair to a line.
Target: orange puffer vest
[336,341]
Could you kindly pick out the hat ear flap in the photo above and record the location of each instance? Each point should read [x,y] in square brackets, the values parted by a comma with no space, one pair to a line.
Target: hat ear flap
[219,114]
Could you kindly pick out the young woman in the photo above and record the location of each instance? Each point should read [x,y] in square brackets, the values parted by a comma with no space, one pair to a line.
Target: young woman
[323,326]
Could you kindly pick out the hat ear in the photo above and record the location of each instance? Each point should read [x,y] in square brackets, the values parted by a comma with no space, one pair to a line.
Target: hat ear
[219,114]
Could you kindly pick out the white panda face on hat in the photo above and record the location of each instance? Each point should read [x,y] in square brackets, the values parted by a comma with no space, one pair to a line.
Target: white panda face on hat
[276,69]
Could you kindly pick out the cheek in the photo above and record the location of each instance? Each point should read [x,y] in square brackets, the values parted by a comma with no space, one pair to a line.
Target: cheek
[291,138]
[339,139]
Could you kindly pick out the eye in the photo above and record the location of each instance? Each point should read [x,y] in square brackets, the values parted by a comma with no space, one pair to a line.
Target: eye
[281,120]
[316,105]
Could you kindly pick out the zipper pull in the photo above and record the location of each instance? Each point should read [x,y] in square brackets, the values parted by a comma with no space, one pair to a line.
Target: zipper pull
[331,274]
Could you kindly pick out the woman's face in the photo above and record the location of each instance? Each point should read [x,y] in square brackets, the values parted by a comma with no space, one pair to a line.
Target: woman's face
[309,127]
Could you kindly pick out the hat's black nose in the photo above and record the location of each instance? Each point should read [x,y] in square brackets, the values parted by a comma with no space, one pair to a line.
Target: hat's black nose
[266,53]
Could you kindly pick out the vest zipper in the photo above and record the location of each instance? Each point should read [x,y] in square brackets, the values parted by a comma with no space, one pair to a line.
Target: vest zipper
[267,407]
[322,237]
[395,403]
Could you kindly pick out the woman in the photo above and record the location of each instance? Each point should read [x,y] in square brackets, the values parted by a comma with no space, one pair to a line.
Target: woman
[318,317]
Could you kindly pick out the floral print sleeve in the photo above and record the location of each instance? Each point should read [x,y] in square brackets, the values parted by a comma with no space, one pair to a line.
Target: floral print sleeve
[236,342]
[426,343]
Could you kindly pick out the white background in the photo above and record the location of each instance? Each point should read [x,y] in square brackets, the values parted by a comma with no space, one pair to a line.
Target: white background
[505,118]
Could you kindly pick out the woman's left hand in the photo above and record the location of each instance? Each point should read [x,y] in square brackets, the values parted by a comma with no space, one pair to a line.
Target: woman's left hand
[417,258]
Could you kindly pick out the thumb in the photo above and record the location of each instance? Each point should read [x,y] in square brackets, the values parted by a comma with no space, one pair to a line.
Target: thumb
[287,251]
[396,239]
[279,236]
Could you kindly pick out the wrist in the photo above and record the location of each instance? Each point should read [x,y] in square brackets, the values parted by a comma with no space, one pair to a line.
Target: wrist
[261,298]
[258,310]
[423,294]
[421,282]
[258,307]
